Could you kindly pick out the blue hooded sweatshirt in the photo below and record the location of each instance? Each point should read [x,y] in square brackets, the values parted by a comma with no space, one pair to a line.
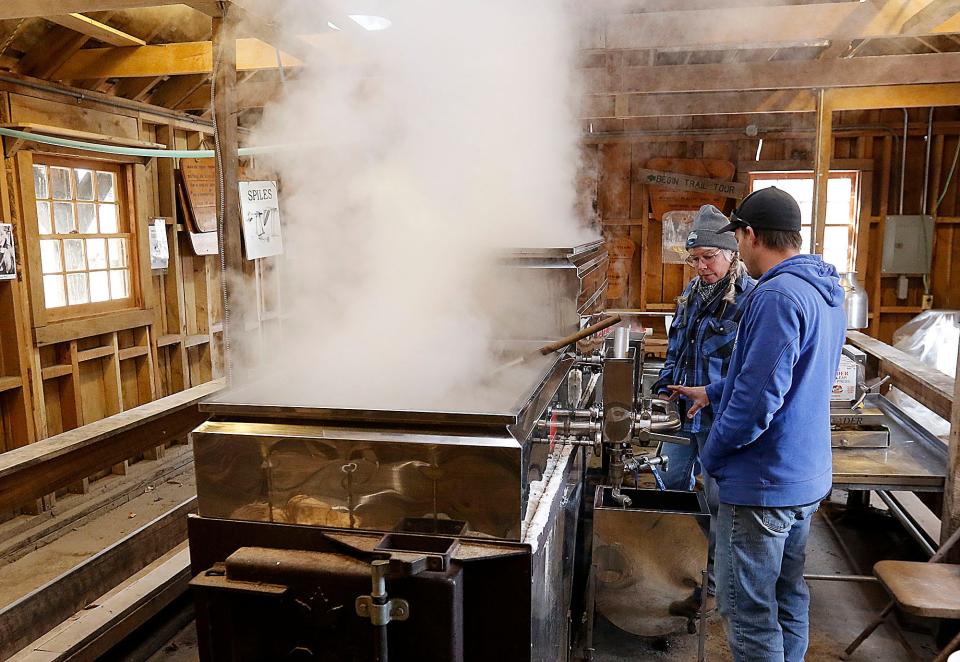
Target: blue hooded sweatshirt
[770,441]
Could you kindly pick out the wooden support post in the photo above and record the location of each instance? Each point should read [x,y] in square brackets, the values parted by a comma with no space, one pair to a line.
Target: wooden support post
[156,453]
[120,468]
[824,149]
[82,486]
[225,112]
[39,506]
[951,491]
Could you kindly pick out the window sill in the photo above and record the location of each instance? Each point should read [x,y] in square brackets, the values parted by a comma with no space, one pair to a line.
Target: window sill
[85,327]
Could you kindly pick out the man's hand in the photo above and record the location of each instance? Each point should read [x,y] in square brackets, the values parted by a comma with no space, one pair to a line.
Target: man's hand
[697,395]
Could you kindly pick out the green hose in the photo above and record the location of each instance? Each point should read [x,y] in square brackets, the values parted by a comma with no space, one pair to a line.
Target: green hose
[127,151]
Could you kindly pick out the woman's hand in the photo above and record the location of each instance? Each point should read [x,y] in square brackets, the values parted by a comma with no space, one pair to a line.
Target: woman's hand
[697,395]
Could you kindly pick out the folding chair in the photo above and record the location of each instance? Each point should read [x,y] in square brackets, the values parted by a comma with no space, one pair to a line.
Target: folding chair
[930,589]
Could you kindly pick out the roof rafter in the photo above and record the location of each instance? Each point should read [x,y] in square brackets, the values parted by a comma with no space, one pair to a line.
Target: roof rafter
[835,21]
[782,74]
[96,30]
[934,14]
[167,60]
[34,8]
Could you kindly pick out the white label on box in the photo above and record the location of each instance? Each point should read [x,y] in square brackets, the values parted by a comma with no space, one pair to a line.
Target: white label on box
[845,385]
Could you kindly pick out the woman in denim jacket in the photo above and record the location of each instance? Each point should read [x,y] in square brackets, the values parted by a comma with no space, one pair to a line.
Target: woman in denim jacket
[701,341]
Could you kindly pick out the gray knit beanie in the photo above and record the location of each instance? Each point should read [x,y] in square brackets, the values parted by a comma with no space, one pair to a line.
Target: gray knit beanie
[704,234]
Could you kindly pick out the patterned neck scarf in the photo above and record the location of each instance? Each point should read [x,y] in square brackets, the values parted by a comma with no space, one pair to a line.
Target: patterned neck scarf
[706,291]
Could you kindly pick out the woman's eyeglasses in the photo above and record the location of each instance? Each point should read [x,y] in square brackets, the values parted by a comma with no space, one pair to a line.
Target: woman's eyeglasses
[707,258]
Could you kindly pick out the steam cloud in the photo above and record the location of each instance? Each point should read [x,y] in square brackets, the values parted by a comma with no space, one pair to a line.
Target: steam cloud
[429,149]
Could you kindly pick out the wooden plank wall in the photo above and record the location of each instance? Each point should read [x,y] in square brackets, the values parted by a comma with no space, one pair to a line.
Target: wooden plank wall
[59,377]
[868,140]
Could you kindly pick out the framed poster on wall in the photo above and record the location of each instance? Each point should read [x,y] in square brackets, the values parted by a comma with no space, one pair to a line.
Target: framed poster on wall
[8,255]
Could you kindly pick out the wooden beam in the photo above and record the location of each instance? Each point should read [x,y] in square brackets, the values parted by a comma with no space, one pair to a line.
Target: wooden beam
[925,68]
[42,62]
[34,8]
[951,491]
[895,96]
[249,95]
[226,56]
[930,17]
[929,386]
[93,632]
[36,613]
[137,89]
[96,30]
[167,59]
[31,471]
[733,26]
[823,146]
[631,105]
[174,90]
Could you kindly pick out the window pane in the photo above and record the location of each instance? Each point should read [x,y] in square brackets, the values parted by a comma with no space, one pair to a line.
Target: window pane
[805,236]
[77,291]
[63,218]
[99,286]
[43,218]
[839,189]
[40,181]
[118,284]
[118,253]
[836,244]
[838,213]
[97,253]
[53,294]
[60,183]
[50,256]
[73,254]
[106,187]
[84,184]
[108,219]
[87,218]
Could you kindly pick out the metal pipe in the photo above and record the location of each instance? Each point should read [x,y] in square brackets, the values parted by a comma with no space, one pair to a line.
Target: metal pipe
[903,157]
[926,165]
[379,596]
[897,511]
[702,630]
[868,579]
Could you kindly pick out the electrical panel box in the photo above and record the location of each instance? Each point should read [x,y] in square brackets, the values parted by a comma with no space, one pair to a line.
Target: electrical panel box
[907,245]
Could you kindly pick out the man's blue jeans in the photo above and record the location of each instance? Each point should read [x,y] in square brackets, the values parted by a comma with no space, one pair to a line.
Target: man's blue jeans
[682,466]
[760,586]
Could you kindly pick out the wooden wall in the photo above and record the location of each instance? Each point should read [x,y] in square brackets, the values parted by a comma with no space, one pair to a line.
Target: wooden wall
[58,375]
[868,141]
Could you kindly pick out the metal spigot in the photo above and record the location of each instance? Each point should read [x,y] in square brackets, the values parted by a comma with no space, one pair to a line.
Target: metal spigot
[870,388]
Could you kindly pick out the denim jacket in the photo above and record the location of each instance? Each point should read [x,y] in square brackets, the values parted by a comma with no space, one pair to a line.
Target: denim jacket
[701,343]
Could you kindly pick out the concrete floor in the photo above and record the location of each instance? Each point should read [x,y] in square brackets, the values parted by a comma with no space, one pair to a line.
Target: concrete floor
[838,611]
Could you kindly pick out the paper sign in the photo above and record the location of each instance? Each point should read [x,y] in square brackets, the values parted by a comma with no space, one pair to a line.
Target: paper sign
[8,255]
[260,209]
[845,385]
[159,252]
[676,227]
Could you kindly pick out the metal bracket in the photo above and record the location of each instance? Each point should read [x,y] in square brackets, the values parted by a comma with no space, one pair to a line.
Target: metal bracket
[394,610]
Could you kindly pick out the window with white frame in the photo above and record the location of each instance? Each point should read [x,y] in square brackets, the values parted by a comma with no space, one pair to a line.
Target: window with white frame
[83,227]
[840,229]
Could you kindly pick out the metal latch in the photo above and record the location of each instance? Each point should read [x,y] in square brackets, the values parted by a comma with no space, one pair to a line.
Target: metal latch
[396,609]
[376,606]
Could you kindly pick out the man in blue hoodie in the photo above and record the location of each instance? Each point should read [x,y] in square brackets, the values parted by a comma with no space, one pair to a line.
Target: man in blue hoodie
[769,448]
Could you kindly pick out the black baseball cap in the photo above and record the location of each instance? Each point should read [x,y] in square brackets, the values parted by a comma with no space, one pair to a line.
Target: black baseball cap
[768,209]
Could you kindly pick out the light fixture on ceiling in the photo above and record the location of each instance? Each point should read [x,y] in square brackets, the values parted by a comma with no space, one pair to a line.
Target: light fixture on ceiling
[371,23]
[333,26]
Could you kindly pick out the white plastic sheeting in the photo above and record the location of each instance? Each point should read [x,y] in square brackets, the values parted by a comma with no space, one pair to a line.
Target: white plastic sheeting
[932,337]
